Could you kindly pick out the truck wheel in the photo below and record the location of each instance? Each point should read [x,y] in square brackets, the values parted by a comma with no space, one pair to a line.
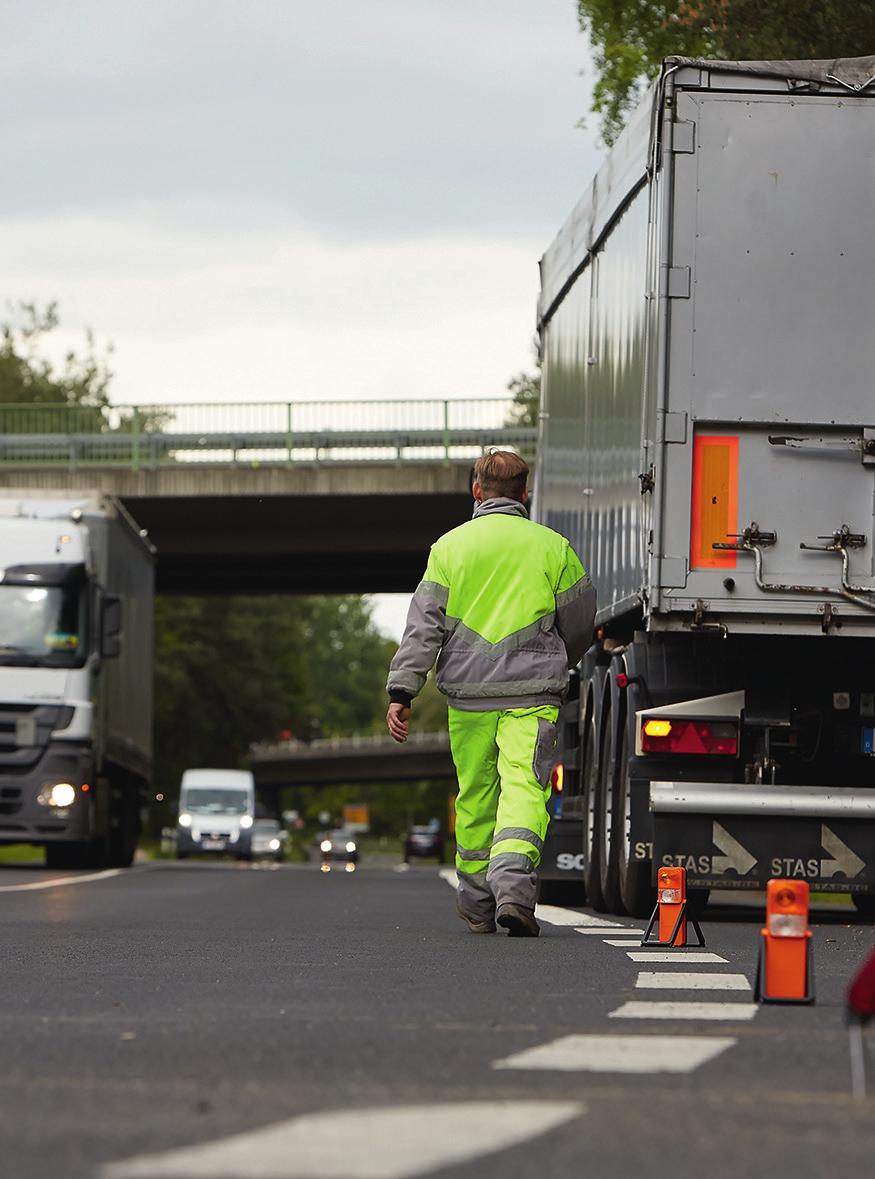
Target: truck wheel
[609,877]
[589,789]
[637,893]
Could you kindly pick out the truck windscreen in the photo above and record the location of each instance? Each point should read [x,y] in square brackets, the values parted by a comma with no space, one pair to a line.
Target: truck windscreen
[42,626]
[214,800]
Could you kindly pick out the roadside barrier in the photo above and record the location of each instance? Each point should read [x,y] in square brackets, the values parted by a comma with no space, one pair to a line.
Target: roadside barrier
[671,911]
[860,1009]
[785,969]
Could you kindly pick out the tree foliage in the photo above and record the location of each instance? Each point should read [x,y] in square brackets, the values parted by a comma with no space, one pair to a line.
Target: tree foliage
[630,38]
[525,388]
[28,376]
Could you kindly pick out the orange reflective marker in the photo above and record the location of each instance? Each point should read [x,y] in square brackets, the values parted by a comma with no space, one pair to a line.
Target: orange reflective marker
[671,910]
[784,970]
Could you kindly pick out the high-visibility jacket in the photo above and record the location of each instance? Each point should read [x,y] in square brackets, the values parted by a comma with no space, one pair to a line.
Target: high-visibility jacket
[505,607]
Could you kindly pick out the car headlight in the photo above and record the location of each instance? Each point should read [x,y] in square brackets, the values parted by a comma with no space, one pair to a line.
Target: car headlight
[246,822]
[57,794]
[350,847]
[325,845]
[185,820]
[274,845]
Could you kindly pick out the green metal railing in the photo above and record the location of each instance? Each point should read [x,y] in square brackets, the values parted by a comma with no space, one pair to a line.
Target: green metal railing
[257,433]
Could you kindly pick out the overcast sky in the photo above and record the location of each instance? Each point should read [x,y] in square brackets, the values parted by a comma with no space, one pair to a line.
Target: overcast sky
[288,199]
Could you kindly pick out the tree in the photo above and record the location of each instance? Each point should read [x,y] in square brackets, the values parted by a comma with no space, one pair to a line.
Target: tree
[525,388]
[630,39]
[26,376]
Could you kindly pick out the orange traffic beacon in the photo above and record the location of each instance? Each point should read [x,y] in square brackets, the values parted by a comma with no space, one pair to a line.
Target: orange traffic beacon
[671,910]
[784,971]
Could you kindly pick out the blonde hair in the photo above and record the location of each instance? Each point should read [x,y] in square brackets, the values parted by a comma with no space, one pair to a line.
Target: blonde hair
[501,473]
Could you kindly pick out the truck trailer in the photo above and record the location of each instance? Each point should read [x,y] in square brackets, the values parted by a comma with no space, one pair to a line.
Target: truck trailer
[707,443]
[76,607]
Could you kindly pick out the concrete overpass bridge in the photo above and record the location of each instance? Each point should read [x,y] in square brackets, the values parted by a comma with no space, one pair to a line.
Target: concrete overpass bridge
[309,497]
[353,761]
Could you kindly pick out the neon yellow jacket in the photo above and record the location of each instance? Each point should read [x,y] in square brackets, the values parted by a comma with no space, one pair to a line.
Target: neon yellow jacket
[505,607]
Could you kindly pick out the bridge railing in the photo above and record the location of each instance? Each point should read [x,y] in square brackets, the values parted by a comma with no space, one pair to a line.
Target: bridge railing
[258,433]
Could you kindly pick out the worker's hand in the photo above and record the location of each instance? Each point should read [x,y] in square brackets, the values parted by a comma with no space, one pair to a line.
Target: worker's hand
[398,718]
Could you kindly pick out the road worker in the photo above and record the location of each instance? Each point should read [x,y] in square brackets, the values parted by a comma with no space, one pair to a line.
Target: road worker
[505,607]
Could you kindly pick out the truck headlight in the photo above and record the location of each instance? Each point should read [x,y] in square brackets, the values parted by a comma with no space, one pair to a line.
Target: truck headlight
[57,794]
[325,845]
[350,847]
[246,822]
[185,820]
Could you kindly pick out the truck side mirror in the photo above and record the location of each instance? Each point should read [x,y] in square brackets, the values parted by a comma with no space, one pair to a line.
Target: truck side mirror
[110,626]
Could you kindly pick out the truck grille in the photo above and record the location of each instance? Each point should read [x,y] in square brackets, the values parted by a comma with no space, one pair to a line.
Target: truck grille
[24,733]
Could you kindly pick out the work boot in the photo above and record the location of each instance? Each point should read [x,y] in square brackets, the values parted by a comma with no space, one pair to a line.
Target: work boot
[518,922]
[473,924]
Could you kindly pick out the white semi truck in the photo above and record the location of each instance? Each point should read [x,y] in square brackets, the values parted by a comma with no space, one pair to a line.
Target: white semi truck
[708,445]
[76,608]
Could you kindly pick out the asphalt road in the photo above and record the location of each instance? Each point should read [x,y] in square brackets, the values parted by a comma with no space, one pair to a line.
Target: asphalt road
[347,1025]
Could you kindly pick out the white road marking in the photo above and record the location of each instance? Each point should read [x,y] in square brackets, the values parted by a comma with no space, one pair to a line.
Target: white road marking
[449,874]
[620,1054]
[615,941]
[392,1143]
[63,881]
[703,1011]
[676,957]
[692,981]
[556,915]
[626,930]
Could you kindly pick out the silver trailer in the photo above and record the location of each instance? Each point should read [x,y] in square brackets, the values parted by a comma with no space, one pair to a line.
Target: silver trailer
[76,605]
[708,444]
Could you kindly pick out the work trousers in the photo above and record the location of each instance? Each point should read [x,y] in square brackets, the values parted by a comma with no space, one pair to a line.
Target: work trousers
[503,760]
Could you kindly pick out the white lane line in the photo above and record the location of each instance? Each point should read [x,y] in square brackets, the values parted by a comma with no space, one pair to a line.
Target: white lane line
[556,915]
[448,874]
[620,1054]
[618,930]
[390,1143]
[692,981]
[63,881]
[615,941]
[676,957]
[704,1011]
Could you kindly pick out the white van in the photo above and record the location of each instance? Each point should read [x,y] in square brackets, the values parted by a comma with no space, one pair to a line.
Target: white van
[216,813]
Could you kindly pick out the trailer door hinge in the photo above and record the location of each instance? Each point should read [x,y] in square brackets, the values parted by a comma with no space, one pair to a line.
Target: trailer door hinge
[683,137]
[676,282]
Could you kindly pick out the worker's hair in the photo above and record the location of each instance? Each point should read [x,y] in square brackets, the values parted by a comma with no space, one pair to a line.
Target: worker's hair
[501,473]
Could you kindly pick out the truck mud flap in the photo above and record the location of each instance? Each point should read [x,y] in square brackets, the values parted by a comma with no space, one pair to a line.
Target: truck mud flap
[744,850]
[562,857]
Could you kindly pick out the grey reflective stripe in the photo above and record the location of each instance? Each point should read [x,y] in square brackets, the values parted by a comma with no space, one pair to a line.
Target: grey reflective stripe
[575,618]
[424,633]
[519,833]
[573,592]
[500,688]
[476,643]
[512,860]
[433,589]
[464,854]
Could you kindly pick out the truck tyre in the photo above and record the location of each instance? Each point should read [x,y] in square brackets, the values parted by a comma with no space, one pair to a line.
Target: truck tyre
[636,891]
[120,844]
[609,877]
[589,789]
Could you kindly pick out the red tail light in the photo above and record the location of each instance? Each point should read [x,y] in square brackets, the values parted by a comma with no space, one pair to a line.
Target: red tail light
[689,736]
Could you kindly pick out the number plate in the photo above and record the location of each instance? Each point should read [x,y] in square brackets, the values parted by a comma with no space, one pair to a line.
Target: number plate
[213,844]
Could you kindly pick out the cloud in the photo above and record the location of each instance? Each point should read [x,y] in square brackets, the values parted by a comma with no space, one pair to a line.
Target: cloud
[284,312]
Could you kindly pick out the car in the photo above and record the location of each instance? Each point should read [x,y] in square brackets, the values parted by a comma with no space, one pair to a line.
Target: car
[424,841]
[269,840]
[339,846]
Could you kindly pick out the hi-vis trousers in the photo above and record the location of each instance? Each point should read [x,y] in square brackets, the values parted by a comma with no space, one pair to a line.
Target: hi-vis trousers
[503,761]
